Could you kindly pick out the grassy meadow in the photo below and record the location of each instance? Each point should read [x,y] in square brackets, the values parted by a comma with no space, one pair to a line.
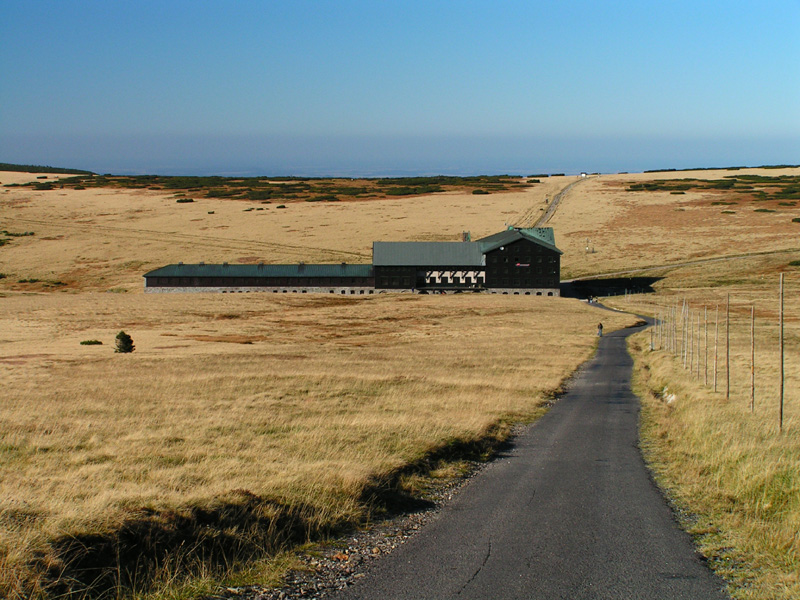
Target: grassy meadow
[245,423]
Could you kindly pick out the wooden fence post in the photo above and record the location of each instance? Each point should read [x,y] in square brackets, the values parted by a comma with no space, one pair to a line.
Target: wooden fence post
[716,346]
[690,330]
[752,359]
[705,362]
[685,352]
[728,348]
[781,360]
[698,343]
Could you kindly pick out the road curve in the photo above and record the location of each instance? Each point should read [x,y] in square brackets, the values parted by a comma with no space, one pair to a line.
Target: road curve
[569,511]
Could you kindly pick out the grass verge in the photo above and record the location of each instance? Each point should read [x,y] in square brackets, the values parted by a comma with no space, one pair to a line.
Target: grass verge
[733,478]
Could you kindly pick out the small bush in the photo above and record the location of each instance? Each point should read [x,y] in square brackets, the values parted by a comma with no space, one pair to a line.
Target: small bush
[480,192]
[3,275]
[728,212]
[763,210]
[794,263]
[184,200]
[796,220]
[124,343]
[31,280]
[91,343]
[281,206]
[211,212]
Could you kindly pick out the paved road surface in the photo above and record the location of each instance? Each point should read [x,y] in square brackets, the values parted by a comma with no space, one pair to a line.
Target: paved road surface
[569,512]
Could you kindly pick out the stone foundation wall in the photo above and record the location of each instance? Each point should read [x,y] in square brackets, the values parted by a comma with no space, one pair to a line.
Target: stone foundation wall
[525,292]
[341,291]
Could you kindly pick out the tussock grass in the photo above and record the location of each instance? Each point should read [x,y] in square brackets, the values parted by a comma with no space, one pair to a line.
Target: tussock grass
[198,453]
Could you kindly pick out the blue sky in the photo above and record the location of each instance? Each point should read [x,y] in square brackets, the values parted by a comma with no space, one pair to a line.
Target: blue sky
[382,87]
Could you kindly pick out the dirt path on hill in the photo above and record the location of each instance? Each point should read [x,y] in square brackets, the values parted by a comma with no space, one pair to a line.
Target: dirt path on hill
[551,210]
[687,263]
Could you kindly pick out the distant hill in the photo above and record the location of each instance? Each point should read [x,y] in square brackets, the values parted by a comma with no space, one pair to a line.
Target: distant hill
[40,169]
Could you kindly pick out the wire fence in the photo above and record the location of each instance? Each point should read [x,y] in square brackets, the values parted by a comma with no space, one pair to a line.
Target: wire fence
[729,347]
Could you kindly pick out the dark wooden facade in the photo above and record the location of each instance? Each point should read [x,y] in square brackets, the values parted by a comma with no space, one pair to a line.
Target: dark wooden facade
[261,276]
[523,264]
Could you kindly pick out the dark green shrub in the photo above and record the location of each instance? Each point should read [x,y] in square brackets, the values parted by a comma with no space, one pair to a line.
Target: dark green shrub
[480,192]
[728,212]
[281,206]
[796,220]
[91,343]
[794,263]
[221,193]
[124,343]
[184,200]
[259,194]
[763,210]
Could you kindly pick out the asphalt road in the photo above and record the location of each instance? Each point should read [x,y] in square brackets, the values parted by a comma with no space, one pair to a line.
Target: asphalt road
[569,511]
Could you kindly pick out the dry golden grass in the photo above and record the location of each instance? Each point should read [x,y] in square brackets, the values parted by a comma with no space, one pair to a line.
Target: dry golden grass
[301,399]
[630,230]
[310,400]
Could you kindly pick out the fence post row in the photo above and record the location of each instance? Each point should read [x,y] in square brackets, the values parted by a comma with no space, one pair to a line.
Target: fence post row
[687,350]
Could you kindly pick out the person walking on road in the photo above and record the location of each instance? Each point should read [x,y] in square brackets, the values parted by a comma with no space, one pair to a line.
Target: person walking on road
[600,330]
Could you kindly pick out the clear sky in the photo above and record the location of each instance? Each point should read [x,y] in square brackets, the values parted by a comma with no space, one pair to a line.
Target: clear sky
[380,87]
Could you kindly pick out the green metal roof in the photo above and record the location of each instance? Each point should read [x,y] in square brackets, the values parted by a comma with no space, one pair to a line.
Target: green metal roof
[540,235]
[228,270]
[426,254]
